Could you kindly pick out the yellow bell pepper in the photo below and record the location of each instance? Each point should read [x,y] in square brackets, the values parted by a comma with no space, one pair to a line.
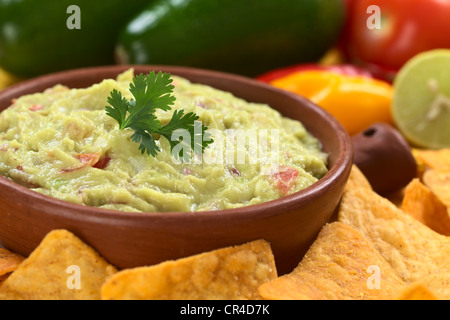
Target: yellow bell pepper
[356,101]
[7,79]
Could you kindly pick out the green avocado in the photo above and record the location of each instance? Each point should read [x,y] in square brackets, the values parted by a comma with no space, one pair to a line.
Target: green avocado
[40,36]
[247,37]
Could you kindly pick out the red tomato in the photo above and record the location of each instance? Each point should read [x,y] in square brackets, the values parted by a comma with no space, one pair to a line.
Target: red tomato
[36,107]
[408,27]
[102,163]
[347,69]
[285,179]
[89,159]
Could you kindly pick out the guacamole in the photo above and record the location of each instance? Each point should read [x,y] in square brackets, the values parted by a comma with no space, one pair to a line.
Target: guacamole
[62,143]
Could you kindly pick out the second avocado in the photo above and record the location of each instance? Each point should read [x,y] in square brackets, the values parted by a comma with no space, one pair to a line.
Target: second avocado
[246,37]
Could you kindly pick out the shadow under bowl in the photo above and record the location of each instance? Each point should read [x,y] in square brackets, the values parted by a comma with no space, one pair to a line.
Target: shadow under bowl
[129,240]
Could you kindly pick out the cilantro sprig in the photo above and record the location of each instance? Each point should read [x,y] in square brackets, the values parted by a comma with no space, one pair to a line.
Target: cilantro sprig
[151,92]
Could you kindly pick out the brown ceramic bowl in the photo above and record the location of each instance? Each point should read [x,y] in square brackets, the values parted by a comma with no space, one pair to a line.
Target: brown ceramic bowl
[127,239]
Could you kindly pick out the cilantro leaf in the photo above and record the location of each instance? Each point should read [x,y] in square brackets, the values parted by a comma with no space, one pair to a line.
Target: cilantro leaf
[119,107]
[197,132]
[151,92]
[146,142]
[149,122]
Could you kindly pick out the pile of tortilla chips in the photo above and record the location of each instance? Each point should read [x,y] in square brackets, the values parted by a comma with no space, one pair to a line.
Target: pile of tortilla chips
[375,250]
[63,267]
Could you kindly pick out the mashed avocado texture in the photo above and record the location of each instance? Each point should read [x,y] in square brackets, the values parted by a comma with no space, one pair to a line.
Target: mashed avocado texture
[61,143]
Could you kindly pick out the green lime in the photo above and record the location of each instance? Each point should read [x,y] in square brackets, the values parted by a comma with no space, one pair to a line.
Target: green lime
[421,102]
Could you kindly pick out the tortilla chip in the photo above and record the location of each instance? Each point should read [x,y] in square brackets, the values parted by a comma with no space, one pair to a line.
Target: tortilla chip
[396,197]
[9,261]
[231,273]
[3,278]
[412,249]
[439,182]
[422,204]
[51,271]
[434,159]
[357,179]
[421,167]
[417,292]
[340,265]
[436,284]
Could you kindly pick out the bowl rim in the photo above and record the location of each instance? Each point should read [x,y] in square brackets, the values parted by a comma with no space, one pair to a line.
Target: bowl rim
[344,159]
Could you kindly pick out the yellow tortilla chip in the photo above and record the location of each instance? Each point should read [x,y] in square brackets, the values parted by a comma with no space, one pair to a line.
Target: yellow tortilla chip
[434,159]
[9,261]
[422,204]
[413,250]
[340,265]
[3,278]
[439,182]
[231,273]
[421,167]
[62,267]
[396,197]
[357,179]
[417,292]
[436,284]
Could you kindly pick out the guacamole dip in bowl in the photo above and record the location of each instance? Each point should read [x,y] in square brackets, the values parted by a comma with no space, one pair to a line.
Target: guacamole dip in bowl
[62,143]
[275,171]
